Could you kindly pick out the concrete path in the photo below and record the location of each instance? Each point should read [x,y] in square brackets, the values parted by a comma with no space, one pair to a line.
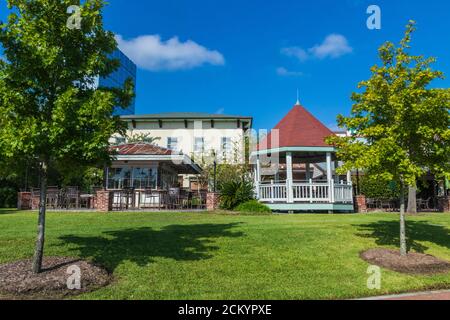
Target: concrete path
[428,295]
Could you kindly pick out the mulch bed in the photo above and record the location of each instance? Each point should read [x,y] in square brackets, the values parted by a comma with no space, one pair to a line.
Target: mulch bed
[413,263]
[17,281]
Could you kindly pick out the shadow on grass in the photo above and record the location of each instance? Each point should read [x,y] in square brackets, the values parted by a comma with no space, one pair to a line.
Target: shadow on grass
[142,245]
[387,233]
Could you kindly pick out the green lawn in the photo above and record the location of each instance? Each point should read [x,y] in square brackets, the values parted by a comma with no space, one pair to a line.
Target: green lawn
[218,256]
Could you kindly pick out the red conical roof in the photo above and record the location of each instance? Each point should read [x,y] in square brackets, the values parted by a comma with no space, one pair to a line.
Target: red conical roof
[299,128]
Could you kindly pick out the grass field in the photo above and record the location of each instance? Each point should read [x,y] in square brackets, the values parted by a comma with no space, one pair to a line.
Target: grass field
[219,256]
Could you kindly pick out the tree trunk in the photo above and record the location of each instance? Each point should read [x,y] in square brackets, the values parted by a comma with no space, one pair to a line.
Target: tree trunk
[412,199]
[403,248]
[39,251]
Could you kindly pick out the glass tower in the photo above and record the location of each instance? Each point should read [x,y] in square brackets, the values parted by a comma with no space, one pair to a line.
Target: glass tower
[116,79]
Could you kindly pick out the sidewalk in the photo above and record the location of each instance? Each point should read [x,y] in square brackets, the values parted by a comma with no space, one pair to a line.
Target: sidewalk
[428,295]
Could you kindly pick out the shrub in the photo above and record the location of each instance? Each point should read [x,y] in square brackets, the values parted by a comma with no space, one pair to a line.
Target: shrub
[234,193]
[372,187]
[8,197]
[253,206]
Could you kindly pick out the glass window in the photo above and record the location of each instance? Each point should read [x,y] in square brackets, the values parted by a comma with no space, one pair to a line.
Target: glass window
[144,178]
[199,145]
[226,145]
[172,144]
[119,178]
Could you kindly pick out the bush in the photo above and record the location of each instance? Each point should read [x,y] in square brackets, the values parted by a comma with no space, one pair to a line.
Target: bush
[373,187]
[8,197]
[234,193]
[253,206]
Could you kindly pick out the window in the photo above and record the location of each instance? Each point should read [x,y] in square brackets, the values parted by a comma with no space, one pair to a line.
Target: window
[226,145]
[199,145]
[172,144]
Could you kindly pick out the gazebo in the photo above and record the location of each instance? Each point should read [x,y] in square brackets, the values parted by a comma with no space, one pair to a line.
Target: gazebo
[295,169]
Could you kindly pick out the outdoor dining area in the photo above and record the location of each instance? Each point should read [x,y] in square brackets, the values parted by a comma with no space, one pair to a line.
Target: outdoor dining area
[393,205]
[141,177]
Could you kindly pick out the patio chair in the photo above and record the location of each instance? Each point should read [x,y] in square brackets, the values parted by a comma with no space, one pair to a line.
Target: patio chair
[72,197]
[423,204]
[53,196]
[386,204]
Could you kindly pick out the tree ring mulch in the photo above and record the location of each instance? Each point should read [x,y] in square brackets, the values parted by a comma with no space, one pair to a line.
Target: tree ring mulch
[413,263]
[17,281]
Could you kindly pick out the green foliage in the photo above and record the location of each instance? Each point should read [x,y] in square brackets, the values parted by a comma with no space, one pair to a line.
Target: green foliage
[379,189]
[400,124]
[50,109]
[234,193]
[8,197]
[253,206]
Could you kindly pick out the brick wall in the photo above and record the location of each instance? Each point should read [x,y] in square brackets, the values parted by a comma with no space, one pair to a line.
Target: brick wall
[361,204]
[103,201]
[24,201]
[444,204]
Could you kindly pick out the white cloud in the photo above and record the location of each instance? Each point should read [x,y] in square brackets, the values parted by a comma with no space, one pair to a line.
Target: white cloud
[281,71]
[334,46]
[151,53]
[296,52]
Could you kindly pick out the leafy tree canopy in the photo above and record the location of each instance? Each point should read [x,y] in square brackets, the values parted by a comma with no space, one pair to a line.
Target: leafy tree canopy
[400,123]
[50,108]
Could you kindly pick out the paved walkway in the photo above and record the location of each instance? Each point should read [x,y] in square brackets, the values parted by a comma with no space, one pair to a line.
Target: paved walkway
[429,295]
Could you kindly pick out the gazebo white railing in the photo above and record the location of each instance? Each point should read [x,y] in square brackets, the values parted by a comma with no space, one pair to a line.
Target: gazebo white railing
[305,192]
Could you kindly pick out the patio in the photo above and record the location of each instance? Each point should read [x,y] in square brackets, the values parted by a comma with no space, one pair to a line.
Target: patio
[142,177]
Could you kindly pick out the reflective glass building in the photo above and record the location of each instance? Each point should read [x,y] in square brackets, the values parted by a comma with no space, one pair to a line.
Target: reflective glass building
[117,79]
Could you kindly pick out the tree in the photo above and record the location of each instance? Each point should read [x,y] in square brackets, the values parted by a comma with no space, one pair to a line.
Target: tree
[50,108]
[400,124]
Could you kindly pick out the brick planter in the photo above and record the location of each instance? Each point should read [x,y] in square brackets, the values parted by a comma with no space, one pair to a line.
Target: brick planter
[361,204]
[212,201]
[444,204]
[24,201]
[104,201]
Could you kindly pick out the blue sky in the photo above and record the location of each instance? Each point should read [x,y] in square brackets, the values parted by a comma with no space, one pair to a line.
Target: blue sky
[249,57]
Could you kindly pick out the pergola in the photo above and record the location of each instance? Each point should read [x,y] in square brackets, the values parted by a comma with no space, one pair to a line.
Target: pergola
[291,163]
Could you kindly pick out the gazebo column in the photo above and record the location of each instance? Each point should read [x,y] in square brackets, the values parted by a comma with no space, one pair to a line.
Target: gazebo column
[290,178]
[330,177]
[349,178]
[258,177]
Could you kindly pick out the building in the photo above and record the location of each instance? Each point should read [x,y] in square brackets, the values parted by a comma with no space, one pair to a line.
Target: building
[289,164]
[117,79]
[198,135]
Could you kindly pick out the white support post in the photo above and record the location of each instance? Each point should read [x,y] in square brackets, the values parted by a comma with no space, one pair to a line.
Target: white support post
[332,192]
[349,178]
[330,178]
[311,190]
[290,178]
[258,178]
[272,189]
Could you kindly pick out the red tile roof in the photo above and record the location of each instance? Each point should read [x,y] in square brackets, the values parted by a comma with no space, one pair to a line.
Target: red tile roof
[140,149]
[299,128]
